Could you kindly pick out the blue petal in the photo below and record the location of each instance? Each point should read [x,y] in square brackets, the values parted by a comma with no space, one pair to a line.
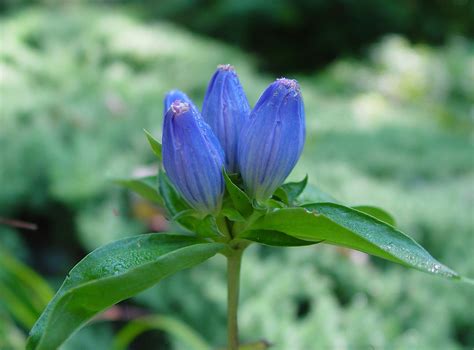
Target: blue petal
[193,158]
[272,141]
[226,110]
[175,95]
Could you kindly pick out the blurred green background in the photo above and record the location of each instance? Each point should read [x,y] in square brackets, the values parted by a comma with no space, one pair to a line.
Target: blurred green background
[389,94]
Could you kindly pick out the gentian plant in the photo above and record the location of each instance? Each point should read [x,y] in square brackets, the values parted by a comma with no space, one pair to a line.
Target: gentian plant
[222,182]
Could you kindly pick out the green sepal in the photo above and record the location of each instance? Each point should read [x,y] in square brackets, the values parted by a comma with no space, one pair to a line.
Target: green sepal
[274,204]
[293,189]
[155,145]
[239,198]
[207,227]
[281,194]
[232,214]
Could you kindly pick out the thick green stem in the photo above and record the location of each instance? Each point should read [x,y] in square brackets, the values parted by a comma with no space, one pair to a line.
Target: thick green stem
[233,280]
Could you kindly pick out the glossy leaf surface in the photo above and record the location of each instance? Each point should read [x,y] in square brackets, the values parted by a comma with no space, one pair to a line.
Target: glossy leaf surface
[343,226]
[377,213]
[274,238]
[113,273]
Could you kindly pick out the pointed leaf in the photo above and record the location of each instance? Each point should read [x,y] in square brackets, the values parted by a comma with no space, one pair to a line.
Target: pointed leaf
[155,145]
[113,273]
[240,200]
[339,225]
[314,194]
[294,189]
[147,187]
[377,213]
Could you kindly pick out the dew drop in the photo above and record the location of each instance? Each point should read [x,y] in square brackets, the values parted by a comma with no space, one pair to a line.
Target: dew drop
[435,268]
[118,267]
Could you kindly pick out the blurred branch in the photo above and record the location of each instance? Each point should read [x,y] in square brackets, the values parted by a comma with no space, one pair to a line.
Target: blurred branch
[121,313]
[18,224]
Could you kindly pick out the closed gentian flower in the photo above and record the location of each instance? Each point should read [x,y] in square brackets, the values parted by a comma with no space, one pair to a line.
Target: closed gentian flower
[174,95]
[193,157]
[226,109]
[272,141]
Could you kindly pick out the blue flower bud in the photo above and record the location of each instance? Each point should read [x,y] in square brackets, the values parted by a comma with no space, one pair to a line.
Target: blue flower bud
[174,95]
[272,141]
[193,157]
[226,110]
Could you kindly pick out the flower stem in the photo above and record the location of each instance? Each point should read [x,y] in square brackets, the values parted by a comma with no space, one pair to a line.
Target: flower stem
[233,280]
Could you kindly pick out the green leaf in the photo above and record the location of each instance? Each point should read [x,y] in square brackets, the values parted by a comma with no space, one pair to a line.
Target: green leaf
[274,238]
[240,200]
[294,189]
[155,145]
[170,325]
[23,292]
[313,194]
[113,273]
[377,213]
[340,225]
[145,187]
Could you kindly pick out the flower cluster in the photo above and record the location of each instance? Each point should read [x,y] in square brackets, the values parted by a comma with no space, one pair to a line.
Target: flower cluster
[261,144]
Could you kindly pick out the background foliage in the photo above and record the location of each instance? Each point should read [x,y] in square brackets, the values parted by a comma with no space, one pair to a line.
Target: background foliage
[78,84]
